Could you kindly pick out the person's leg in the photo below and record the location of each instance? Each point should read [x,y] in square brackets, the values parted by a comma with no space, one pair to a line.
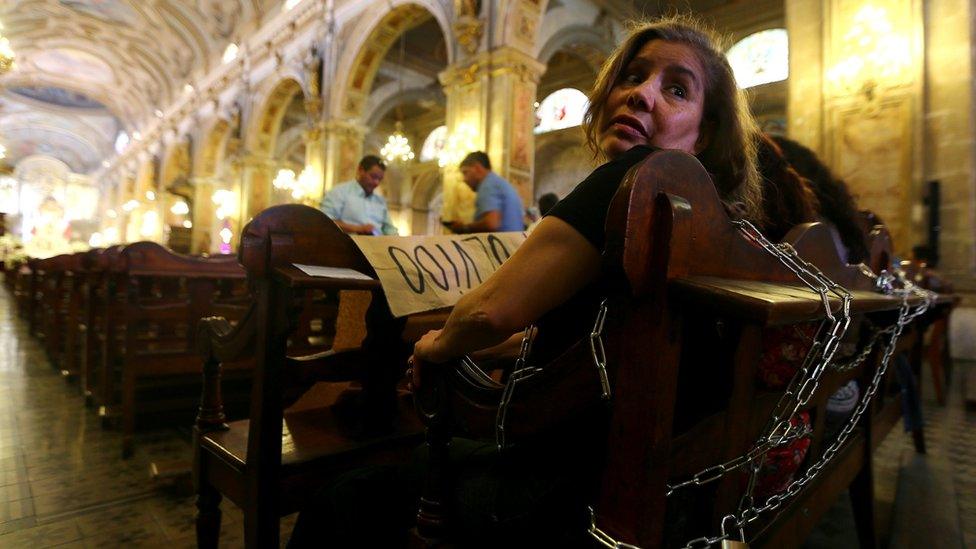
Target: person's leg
[368,507]
[911,401]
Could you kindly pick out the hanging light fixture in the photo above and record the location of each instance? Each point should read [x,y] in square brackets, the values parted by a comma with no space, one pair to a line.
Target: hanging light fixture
[284,180]
[6,54]
[397,148]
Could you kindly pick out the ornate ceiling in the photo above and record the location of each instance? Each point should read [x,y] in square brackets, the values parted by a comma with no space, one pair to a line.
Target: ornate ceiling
[80,61]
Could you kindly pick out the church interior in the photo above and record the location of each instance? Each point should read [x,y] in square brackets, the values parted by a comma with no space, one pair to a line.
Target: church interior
[172,376]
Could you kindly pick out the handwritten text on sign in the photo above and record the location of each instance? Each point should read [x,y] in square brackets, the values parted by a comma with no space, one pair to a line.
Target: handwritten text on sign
[423,273]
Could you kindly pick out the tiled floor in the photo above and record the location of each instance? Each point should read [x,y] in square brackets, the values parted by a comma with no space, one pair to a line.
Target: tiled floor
[63,482]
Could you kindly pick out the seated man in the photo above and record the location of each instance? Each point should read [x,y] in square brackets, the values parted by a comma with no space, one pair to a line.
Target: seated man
[498,206]
[354,206]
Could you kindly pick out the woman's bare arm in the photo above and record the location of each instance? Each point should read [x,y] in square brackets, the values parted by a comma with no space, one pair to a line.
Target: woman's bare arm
[552,264]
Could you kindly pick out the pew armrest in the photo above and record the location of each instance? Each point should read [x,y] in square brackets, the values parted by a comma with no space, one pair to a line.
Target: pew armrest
[218,339]
[329,365]
[217,342]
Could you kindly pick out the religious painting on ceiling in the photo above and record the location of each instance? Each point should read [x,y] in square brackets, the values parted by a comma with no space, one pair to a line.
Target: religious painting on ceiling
[76,64]
[113,11]
[57,96]
[761,58]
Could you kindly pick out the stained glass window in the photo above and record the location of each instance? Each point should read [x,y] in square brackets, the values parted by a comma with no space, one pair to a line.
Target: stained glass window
[561,109]
[761,58]
[434,144]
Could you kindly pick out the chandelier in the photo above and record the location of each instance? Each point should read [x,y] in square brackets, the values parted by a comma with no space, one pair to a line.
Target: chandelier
[299,187]
[6,55]
[397,148]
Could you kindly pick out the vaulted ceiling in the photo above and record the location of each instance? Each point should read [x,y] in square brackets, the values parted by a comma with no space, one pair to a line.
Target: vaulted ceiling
[88,69]
[83,63]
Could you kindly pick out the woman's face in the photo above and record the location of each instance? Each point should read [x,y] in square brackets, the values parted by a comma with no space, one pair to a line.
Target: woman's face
[658,100]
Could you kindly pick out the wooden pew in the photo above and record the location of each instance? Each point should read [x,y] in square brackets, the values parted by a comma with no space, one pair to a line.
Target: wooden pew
[53,282]
[73,284]
[110,296]
[155,299]
[683,346]
[272,462]
[24,291]
[92,325]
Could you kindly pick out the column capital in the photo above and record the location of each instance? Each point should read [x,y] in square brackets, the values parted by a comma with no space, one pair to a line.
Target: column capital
[254,160]
[500,61]
[344,127]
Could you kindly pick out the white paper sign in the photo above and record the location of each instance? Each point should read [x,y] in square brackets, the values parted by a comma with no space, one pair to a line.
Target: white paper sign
[332,272]
[424,273]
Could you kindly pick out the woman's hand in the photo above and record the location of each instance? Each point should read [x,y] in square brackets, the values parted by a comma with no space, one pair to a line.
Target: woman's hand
[425,351]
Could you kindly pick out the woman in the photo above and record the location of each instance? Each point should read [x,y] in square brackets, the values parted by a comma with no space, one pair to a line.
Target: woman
[668,86]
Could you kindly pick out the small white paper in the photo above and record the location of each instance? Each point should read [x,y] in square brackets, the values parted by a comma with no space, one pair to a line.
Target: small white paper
[332,272]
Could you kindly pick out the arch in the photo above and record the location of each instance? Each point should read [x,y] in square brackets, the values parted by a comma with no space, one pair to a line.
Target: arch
[379,29]
[388,99]
[583,41]
[561,162]
[175,165]
[211,150]
[266,123]
[426,186]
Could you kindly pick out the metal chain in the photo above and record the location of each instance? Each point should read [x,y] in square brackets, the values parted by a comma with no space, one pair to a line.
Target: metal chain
[884,283]
[779,429]
[519,372]
[905,316]
[603,538]
[864,353]
[805,382]
[596,348]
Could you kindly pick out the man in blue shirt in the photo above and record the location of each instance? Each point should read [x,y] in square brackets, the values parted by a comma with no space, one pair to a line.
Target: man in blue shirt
[354,206]
[498,206]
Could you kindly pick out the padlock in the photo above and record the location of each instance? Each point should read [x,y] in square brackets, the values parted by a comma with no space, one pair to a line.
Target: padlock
[729,543]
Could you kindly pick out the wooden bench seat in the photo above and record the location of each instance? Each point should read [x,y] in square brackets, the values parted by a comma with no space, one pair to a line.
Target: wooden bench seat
[152,300]
[319,440]
[273,462]
[684,343]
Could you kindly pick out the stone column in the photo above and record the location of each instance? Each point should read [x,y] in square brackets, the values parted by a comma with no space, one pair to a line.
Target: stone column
[490,98]
[949,138]
[342,148]
[315,164]
[863,73]
[255,191]
[804,101]
[203,215]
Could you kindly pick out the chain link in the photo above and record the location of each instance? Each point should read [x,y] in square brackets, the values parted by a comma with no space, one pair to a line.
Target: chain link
[807,379]
[603,538]
[886,284]
[596,348]
[779,429]
[519,373]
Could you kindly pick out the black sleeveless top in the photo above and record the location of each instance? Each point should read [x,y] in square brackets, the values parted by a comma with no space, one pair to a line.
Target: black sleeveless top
[585,209]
